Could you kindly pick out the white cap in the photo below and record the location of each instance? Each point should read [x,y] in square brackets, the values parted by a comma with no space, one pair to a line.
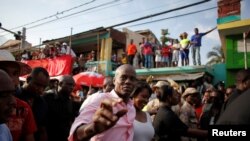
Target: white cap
[6,56]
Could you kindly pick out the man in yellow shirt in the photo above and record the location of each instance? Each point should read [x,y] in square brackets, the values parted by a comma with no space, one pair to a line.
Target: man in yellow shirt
[185,43]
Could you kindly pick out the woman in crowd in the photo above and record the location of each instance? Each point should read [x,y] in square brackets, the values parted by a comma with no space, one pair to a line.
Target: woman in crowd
[143,128]
[167,124]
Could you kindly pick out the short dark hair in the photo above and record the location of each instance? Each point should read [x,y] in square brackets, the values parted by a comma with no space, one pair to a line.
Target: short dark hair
[38,70]
[165,91]
[243,75]
[140,86]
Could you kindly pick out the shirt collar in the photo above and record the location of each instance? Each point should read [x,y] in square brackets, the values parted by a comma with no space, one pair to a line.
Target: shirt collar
[114,94]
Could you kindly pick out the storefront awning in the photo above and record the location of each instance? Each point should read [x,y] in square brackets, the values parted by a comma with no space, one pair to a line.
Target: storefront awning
[177,77]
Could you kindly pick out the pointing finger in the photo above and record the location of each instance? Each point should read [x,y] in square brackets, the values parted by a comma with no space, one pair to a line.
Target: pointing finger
[121,113]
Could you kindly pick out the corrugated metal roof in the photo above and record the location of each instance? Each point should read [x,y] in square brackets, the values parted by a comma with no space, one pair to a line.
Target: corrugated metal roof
[10,43]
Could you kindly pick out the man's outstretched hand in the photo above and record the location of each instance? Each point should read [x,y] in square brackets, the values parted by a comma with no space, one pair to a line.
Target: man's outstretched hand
[103,119]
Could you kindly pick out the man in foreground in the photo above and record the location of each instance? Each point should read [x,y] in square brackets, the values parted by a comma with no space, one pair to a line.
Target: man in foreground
[110,112]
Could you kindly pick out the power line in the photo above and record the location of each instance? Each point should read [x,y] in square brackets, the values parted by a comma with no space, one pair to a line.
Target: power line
[132,13]
[112,18]
[101,5]
[157,14]
[138,19]
[176,16]
[58,18]
[54,15]
[195,12]
[108,7]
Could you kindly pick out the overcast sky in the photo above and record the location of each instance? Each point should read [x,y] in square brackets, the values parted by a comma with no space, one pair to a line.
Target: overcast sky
[98,13]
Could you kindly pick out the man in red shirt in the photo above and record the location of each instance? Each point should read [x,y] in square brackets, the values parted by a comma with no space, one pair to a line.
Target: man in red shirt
[165,55]
[131,51]
[21,123]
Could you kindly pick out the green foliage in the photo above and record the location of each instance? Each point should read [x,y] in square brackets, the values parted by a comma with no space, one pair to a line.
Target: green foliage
[164,32]
[215,56]
[164,39]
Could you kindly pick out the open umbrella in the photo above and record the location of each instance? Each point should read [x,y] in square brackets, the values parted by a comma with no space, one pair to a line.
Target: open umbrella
[91,79]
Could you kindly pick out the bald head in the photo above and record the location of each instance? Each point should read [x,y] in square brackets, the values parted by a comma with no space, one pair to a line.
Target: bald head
[124,81]
[66,84]
[125,68]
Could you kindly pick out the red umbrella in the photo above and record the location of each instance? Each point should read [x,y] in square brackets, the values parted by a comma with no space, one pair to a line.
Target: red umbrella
[89,79]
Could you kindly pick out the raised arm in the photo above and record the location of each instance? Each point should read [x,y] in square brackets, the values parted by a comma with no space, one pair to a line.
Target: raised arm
[210,30]
[103,120]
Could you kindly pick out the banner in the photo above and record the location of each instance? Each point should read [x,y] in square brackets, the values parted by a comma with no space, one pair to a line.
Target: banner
[56,66]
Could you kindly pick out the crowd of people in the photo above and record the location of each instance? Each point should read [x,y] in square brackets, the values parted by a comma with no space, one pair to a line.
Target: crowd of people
[125,109]
[59,49]
[150,54]
[49,51]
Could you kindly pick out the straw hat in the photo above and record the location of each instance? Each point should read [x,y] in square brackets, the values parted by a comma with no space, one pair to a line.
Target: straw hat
[173,84]
[189,91]
[7,57]
[160,84]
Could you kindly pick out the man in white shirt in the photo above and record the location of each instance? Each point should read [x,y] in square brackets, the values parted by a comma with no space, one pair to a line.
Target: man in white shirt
[69,51]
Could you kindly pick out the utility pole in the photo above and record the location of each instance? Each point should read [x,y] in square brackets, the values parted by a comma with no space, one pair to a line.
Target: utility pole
[17,35]
[7,30]
[23,38]
[70,38]
[40,42]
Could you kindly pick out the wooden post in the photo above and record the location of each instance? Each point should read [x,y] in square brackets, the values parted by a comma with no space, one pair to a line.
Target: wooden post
[245,49]
[70,38]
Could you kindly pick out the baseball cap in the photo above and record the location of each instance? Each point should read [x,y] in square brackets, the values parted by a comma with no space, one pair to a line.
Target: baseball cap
[6,56]
[189,91]
[160,84]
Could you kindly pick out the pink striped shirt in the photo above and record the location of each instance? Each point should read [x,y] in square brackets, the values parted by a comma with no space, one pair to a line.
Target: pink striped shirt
[122,131]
